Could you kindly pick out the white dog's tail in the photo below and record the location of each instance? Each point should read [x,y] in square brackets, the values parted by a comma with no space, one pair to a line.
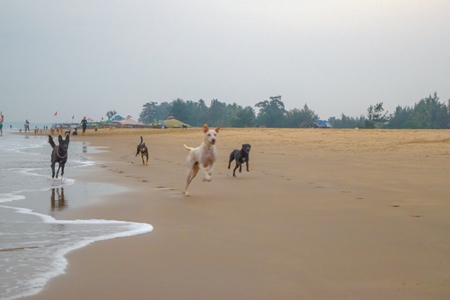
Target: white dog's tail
[187,147]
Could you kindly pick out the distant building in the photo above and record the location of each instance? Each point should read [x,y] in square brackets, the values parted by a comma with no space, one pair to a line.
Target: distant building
[118,118]
[322,124]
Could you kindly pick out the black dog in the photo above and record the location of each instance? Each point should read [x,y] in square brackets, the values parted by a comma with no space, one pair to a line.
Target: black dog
[59,154]
[240,156]
[143,150]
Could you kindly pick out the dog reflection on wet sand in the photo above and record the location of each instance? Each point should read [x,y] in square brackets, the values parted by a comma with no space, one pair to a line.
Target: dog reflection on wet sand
[57,199]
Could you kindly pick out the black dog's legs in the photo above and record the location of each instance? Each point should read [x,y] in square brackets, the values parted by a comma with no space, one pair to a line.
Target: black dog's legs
[62,169]
[231,159]
[239,162]
[238,165]
[57,172]
[53,169]
[137,150]
[143,160]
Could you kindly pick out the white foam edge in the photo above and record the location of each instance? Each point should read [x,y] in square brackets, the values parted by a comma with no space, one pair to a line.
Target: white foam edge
[60,262]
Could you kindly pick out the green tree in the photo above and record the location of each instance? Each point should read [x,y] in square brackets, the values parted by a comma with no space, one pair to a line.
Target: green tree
[271,113]
[178,109]
[217,113]
[300,117]
[430,113]
[400,117]
[245,117]
[232,112]
[376,117]
[162,111]
[111,114]
[149,113]
[192,113]
[347,122]
[199,113]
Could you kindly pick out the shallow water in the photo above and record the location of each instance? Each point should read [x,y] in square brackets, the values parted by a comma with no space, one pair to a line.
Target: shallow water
[33,241]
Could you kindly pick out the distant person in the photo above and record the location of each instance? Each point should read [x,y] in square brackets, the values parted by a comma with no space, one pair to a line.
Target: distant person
[26,125]
[84,124]
[2,118]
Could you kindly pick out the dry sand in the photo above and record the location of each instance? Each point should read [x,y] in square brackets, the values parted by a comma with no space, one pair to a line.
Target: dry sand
[322,214]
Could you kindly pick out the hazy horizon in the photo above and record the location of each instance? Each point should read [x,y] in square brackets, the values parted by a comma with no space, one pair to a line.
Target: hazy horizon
[84,58]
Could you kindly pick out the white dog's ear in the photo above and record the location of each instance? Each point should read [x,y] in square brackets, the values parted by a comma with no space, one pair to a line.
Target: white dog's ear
[205,128]
[217,129]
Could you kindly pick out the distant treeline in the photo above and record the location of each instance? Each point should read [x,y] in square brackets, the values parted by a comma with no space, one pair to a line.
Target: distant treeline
[428,113]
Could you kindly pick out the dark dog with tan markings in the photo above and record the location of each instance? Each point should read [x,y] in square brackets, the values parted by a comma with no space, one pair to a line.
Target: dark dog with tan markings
[143,150]
[59,154]
[240,156]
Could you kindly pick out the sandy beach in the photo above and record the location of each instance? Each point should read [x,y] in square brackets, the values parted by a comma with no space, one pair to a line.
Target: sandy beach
[322,214]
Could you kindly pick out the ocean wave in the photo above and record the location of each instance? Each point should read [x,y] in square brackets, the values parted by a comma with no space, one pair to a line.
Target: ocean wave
[31,265]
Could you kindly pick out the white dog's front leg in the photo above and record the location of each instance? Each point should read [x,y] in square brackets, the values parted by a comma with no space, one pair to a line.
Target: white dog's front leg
[207,173]
[210,171]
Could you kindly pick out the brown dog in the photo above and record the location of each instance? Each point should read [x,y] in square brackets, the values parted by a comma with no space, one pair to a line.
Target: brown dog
[143,150]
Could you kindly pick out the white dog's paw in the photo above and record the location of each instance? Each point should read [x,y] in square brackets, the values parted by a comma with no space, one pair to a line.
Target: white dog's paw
[187,194]
[207,178]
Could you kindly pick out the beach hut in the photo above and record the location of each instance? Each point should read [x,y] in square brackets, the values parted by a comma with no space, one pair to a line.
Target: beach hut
[131,123]
[169,123]
[322,124]
[118,118]
[174,123]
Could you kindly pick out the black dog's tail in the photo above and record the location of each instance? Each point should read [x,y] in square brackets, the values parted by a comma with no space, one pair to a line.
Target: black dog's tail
[142,139]
[51,142]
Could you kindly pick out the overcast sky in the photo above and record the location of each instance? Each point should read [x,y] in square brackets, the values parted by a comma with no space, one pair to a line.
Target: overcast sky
[84,58]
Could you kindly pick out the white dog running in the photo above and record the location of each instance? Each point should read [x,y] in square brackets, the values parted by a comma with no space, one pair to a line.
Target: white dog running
[203,157]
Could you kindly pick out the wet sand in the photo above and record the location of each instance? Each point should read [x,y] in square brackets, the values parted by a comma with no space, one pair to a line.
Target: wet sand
[322,214]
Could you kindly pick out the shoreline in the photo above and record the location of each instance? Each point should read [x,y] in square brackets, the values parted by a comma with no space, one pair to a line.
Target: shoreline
[34,210]
[349,214]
